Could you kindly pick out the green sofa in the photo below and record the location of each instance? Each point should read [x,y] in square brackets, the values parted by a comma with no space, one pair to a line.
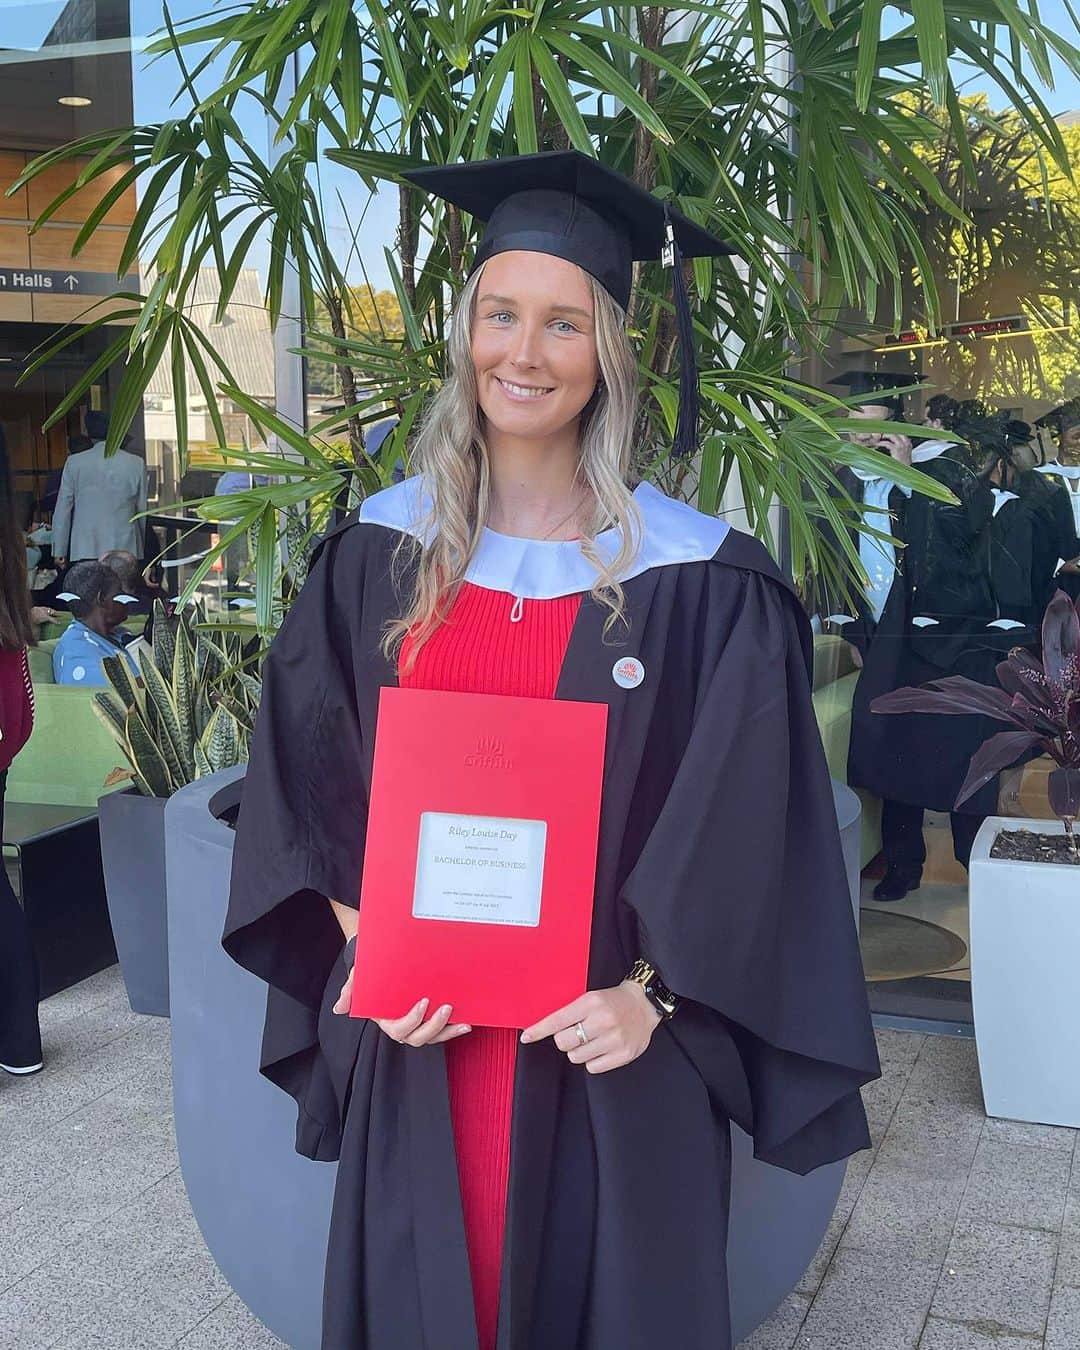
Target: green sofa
[71,751]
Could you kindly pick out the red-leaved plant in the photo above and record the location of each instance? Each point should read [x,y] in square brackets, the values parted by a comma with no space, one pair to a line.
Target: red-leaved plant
[1039,701]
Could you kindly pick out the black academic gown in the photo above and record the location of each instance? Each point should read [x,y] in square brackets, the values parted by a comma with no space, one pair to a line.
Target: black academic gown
[1017,554]
[921,759]
[1055,537]
[719,858]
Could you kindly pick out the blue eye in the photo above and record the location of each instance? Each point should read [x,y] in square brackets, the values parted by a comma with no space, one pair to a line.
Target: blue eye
[564,325]
[501,314]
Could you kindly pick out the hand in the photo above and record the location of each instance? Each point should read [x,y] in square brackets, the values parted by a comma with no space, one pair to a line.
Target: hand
[410,1029]
[898,446]
[618,1022]
[42,614]
[1072,567]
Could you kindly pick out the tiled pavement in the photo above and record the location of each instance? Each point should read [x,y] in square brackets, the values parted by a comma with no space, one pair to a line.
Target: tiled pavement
[955,1233]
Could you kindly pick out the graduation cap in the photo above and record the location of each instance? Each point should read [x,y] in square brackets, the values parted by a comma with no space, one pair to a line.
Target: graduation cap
[1018,432]
[570,206]
[858,382]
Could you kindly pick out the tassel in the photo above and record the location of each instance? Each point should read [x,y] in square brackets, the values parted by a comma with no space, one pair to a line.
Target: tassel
[686,423]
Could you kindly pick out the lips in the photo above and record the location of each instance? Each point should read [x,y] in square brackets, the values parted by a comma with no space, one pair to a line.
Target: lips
[522,392]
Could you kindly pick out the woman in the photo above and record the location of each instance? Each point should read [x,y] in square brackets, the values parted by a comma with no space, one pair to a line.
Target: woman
[20,1035]
[567,1189]
[94,633]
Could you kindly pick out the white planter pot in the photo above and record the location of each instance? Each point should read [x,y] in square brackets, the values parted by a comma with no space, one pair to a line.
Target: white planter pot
[1025,952]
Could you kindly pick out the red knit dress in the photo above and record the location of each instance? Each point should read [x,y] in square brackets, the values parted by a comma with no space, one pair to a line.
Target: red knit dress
[491,643]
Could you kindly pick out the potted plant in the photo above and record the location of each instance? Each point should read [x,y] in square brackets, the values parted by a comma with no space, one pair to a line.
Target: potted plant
[1024,876]
[189,715]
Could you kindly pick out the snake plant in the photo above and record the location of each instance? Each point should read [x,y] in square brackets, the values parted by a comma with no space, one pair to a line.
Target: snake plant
[192,709]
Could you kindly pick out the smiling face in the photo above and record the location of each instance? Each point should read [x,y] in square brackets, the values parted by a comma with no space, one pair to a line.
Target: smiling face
[533,344]
[1069,449]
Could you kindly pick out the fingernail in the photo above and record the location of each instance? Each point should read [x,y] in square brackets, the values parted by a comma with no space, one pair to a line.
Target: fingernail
[444,1011]
[525,1038]
[422,1004]
[463,1029]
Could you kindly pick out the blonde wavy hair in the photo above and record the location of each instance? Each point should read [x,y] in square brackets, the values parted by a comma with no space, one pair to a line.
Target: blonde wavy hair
[451,452]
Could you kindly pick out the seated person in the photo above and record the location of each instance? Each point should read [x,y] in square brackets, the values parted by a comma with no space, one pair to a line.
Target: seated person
[90,590]
[133,583]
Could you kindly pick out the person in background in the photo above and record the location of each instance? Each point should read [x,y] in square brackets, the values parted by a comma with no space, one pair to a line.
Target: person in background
[98,498]
[133,582]
[1055,543]
[20,1033]
[1060,465]
[93,634]
[923,617]
[76,445]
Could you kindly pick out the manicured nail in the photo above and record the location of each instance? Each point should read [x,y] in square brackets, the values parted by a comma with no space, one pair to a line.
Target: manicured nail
[444,1011]
[421,1005]
[463,1029]
[525,1038]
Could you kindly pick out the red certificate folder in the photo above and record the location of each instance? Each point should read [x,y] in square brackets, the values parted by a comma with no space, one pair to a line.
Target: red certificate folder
[481,856]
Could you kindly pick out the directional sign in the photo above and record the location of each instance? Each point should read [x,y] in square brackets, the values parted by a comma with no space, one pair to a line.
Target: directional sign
[24,280]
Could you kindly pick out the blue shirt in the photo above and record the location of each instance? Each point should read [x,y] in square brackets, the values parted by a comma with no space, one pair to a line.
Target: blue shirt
[78,654]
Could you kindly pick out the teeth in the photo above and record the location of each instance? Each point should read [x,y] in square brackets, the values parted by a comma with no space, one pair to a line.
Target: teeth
[523,391]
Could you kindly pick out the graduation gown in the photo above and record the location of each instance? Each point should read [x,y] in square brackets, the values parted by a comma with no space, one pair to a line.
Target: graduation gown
[1057,536]
[1018,553]
[934,624]
[718,858]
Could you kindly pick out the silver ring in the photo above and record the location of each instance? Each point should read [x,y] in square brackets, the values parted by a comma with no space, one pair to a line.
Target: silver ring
[582,1038]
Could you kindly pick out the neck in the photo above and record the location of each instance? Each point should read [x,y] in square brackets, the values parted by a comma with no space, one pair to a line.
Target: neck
[96,624]
[536,491]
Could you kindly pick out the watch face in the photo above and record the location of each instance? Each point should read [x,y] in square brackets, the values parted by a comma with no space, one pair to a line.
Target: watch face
[664,997]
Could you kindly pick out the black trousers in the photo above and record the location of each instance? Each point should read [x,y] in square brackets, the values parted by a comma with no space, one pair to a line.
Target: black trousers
[20,1035]
[902,839]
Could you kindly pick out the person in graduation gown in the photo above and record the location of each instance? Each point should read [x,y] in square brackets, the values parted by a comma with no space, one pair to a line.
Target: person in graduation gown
[923,617]
[1060,469]
[1031,531]
[568,1189]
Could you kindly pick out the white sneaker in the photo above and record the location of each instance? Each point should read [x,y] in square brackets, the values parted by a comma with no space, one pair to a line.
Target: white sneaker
[23,1069]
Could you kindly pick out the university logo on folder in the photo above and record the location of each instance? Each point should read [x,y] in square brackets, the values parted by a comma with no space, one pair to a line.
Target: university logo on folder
[481,855]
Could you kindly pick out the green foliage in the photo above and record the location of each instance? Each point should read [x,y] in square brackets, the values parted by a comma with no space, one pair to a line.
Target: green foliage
[797,131]
[1016,250]
[193,710]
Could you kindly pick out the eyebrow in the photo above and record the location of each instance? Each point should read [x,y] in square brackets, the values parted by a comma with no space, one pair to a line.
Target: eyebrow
[555,309]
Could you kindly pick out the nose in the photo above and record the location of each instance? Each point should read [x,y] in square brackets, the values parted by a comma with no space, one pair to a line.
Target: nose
[526,352]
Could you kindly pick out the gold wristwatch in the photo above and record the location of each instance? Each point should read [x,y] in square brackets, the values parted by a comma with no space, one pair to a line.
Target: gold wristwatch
[656,991]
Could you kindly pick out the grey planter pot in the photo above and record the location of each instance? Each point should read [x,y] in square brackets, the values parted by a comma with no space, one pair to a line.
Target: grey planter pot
[133,858]
[264,1211]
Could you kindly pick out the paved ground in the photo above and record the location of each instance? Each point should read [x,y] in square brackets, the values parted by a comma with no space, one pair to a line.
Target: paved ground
[956,1233]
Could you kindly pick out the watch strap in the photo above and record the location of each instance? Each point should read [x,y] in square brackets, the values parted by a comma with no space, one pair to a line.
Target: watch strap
[656,991]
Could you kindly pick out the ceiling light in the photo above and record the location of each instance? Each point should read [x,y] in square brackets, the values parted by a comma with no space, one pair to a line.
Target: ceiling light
[74,101]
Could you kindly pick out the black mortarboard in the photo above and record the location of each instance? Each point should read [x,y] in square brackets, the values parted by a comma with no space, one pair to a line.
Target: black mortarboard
[573,207]
[1018,432]
[873,381]
[859,382]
